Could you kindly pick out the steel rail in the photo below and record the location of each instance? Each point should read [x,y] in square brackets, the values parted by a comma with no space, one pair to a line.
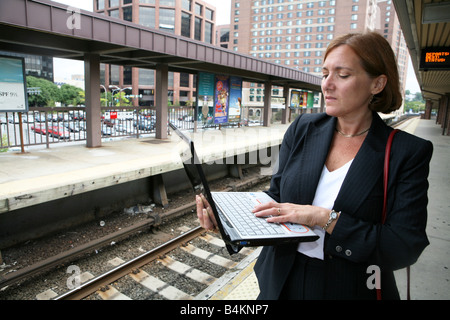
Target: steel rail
[122,270]
[70,255]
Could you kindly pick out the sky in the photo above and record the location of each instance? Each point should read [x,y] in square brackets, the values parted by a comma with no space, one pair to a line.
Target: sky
[64,70]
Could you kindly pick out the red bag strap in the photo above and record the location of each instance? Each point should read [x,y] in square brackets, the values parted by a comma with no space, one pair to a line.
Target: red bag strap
[387,155]
[383,217]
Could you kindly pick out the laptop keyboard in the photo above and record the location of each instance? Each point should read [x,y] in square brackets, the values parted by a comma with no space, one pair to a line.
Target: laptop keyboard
[239,212]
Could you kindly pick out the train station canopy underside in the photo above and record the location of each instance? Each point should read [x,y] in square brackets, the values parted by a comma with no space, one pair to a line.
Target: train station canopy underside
[48,28]
[426,27]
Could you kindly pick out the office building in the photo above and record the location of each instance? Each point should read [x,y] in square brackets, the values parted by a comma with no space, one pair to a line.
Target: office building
[194,19]
[296,33]
[36,66]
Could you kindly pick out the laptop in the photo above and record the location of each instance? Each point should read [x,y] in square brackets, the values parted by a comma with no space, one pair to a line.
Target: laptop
[238,226]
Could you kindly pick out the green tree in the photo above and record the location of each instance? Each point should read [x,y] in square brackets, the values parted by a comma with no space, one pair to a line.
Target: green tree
[71,95]
[49,92]
[120,100]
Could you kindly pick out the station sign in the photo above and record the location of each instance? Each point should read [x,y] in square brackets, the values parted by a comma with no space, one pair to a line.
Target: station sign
[13,85]
[435,59]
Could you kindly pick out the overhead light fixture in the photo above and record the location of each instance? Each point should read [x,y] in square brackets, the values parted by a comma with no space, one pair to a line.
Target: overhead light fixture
[436,12]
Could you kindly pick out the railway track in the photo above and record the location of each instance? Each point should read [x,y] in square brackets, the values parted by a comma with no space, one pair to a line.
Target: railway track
[144,271]
[68,275]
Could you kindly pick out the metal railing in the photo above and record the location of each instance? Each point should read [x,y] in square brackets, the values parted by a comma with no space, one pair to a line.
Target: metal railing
[57,125]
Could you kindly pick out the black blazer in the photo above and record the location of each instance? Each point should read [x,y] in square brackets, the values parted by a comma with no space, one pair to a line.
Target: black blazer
[352,246]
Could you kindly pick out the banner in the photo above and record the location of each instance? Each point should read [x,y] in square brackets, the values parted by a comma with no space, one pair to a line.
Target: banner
[298,99]
[13,85]
[235,102]
[221,95]
[205,97]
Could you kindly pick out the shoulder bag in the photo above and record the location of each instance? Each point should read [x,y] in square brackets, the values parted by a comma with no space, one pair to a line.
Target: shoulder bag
[383,217]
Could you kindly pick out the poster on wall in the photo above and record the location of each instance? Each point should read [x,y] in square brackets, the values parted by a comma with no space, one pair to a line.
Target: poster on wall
[299,99]
[310,100]
[235,101]
[205,97]
[221,99]
[13,86]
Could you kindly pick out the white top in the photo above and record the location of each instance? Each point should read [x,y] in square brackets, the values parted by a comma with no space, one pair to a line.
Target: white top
[327,190]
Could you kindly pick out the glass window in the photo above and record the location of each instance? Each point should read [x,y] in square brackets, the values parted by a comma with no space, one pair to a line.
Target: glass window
[114,13]
[186,24]
[146,77]
[127,1]
[186,4]
[225,35]
[208,14]
[147,1]
[184,79]
[114,75]
[100,4]
[167,20]
[198,29]
[170,3]
[198,9]
[128,14]
[114,3]
[208,32]
[147,16]
[127,75]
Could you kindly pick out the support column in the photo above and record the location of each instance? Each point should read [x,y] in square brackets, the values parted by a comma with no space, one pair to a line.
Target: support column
[159,191]
[92,100]
[267,103]
[161,91]
[428,107]
[322,103]
[446,122]
[285,113]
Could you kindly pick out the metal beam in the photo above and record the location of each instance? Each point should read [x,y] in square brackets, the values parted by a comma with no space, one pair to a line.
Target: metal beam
[92,100]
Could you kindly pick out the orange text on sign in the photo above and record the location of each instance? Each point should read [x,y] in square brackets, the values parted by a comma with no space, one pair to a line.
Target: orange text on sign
[436,56]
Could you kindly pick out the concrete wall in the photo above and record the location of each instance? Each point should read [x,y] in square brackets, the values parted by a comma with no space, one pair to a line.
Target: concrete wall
[40,220]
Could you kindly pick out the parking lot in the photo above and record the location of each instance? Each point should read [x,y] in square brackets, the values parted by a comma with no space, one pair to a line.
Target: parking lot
[45,126]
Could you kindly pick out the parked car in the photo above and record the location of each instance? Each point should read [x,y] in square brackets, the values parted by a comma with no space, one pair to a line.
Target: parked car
[39,128]
[106,131]
[74,127]
[39,118]
[146,125]
[122,127]
[59,132]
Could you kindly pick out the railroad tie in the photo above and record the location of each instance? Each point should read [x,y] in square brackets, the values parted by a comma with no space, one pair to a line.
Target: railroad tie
[214,258]
[187,271]
[165,290]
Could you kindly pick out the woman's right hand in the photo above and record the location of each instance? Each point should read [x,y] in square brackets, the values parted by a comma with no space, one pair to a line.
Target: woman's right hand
[204,214]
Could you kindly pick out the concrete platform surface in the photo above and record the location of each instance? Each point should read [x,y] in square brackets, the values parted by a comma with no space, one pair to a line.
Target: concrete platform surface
[41,174]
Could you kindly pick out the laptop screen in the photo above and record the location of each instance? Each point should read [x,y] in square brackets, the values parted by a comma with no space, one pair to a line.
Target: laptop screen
[190,160]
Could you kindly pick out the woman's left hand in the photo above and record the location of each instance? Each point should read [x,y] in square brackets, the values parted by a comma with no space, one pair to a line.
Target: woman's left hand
[294,213]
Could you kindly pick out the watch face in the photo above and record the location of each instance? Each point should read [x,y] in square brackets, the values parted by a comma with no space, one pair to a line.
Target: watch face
[333,215]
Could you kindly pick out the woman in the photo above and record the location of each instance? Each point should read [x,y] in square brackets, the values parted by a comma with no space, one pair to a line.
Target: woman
[330,178]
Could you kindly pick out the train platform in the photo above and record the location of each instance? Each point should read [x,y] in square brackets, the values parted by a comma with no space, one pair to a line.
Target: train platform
[430,275]
[44,174]
[39,175]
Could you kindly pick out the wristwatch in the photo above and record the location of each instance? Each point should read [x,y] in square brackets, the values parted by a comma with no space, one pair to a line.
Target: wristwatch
[333,216]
